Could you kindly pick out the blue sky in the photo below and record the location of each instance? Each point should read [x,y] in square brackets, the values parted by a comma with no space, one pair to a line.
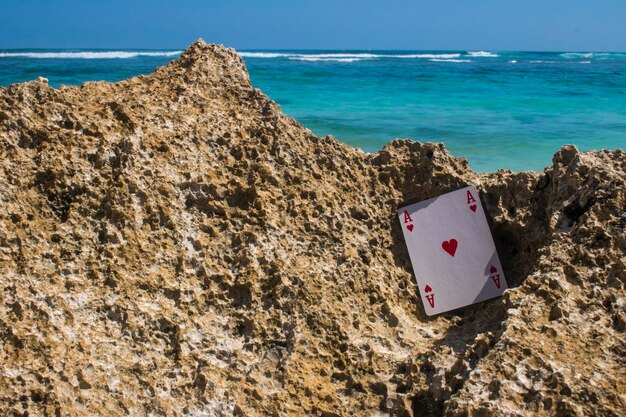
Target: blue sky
[573,25]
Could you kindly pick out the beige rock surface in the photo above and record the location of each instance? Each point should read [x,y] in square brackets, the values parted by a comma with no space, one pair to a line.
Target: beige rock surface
[173,244]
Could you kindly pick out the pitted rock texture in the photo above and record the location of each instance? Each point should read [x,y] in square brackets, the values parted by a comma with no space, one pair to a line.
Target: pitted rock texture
[173,244]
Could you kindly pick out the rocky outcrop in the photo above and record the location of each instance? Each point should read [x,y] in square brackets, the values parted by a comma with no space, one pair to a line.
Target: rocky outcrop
[173,244]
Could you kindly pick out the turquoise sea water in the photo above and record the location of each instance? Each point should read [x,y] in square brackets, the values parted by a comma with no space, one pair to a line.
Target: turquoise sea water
[499,109]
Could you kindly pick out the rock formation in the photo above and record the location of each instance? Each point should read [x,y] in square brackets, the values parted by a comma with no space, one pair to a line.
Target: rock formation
[173,244]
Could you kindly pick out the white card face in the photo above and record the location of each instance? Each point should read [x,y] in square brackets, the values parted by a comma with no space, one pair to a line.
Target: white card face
[452,252]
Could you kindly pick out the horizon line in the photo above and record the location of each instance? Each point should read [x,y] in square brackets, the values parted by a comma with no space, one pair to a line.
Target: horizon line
[113,49]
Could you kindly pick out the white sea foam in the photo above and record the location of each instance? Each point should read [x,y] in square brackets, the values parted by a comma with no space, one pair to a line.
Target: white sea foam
[449,60]
[513,61]
[313,59]
[87,54]
[482,54]
[429,56]
[308,57]
[594,55]
[609,55]
[262,54]
[335,56]
[574,55]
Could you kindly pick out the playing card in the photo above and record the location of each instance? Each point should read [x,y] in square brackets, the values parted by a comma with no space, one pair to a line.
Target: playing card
[452,252]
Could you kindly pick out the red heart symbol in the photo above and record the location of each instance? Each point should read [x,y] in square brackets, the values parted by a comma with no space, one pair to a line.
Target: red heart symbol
[493,269]
[450,246]
[427,288]
[473,207]
[410,227]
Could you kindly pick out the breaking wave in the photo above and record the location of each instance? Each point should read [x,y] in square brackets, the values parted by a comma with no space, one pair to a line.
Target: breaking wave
[449,60]
[574,55]
[483,54]
[260,54]
[87,54]
[313,59]
[594,55]
[429,56]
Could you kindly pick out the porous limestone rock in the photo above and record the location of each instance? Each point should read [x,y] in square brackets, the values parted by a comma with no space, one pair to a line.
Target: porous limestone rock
[173,244]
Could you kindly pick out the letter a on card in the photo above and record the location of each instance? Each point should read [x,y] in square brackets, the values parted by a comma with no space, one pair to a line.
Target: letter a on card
[470,197]
[452,252]
[408,219]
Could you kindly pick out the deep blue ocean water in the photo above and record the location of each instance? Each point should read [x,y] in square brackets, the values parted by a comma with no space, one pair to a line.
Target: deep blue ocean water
[498,109]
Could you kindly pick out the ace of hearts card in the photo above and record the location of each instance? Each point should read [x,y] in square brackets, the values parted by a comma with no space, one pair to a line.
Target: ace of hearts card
[452,251]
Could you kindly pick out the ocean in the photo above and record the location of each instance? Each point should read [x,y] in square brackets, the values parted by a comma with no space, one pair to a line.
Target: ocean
[510,110]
